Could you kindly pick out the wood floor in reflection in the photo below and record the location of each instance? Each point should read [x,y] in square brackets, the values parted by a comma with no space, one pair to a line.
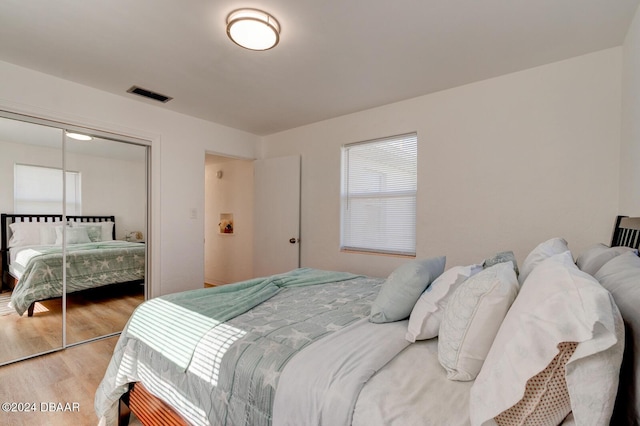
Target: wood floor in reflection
[90,314]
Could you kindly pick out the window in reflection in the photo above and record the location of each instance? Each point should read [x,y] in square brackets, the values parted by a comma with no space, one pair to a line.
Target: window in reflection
[40,189]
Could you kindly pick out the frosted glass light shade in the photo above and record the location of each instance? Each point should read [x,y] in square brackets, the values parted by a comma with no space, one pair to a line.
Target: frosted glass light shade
[253,29]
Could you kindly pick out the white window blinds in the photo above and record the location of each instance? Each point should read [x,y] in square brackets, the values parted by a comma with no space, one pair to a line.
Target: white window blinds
[38,190]
[379,183]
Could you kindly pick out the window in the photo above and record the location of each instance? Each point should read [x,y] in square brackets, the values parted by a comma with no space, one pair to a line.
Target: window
[379,183]
[38,190]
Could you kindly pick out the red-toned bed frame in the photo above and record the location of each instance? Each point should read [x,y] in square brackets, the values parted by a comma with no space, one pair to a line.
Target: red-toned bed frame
[149,409]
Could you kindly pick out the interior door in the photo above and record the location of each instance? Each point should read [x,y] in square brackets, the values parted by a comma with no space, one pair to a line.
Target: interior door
[276,215]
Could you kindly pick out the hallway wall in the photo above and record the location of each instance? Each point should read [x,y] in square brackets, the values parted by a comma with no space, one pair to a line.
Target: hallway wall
[228,257]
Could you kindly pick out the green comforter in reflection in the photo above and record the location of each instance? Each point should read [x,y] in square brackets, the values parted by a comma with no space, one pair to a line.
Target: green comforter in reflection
[89,265]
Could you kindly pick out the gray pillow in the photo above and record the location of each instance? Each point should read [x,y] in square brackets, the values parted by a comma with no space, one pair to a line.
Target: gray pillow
[402,289]
[94,233]
[503,256]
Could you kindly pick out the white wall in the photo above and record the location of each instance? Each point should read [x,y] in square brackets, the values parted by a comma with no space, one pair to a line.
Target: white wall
[178,146]
[630,148]
[228,257]
[503,164]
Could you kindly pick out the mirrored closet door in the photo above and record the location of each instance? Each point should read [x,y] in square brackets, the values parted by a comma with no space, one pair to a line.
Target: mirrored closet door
[31,164]
[87,268]
[105,276]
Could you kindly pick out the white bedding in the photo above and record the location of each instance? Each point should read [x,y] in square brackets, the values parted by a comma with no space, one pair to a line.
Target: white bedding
[19,258]
[411,389]
[426,398]
[352,377]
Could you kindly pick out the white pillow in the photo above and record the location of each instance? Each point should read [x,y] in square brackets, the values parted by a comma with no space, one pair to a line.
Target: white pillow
[472,319]
[107,228]
[76,235]
[48,234]
[426,316]
[592,259]
[541,252]
[558,304]
[28,233]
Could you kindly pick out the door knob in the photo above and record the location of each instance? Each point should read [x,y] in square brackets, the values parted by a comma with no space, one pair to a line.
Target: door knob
[293,240]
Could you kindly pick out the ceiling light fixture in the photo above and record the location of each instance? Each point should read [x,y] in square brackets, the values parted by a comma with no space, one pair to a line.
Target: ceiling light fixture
[79,136]
[253,29]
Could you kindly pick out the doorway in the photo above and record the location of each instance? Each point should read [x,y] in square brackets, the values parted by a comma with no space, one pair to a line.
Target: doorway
[252,218]
[228,223]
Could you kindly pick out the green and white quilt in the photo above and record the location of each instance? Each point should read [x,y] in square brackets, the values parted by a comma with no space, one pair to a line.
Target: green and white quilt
[216,354]
[88,265]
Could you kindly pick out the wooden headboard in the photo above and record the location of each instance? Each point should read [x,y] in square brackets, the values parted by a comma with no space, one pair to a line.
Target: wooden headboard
[626,232]
[7,219]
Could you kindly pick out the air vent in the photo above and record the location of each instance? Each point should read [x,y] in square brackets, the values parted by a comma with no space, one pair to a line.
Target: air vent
[149,94]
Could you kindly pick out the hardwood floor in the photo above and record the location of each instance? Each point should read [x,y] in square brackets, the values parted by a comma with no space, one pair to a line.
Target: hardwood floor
[60,386]
[66,377]
[90,314]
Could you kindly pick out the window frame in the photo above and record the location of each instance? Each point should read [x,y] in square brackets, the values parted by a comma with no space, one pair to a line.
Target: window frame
[389,166]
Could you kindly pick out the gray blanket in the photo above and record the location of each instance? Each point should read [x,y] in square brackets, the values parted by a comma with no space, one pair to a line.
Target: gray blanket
[234,369]
[321,385]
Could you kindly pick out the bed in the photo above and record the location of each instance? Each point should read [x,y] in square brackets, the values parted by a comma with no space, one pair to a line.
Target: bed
[32,257]
[551,341]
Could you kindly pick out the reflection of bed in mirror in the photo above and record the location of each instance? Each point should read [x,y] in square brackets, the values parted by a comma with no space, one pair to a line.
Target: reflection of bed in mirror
[32,257]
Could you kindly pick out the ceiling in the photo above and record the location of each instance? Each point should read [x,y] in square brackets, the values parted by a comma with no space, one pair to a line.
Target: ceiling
[334,57]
